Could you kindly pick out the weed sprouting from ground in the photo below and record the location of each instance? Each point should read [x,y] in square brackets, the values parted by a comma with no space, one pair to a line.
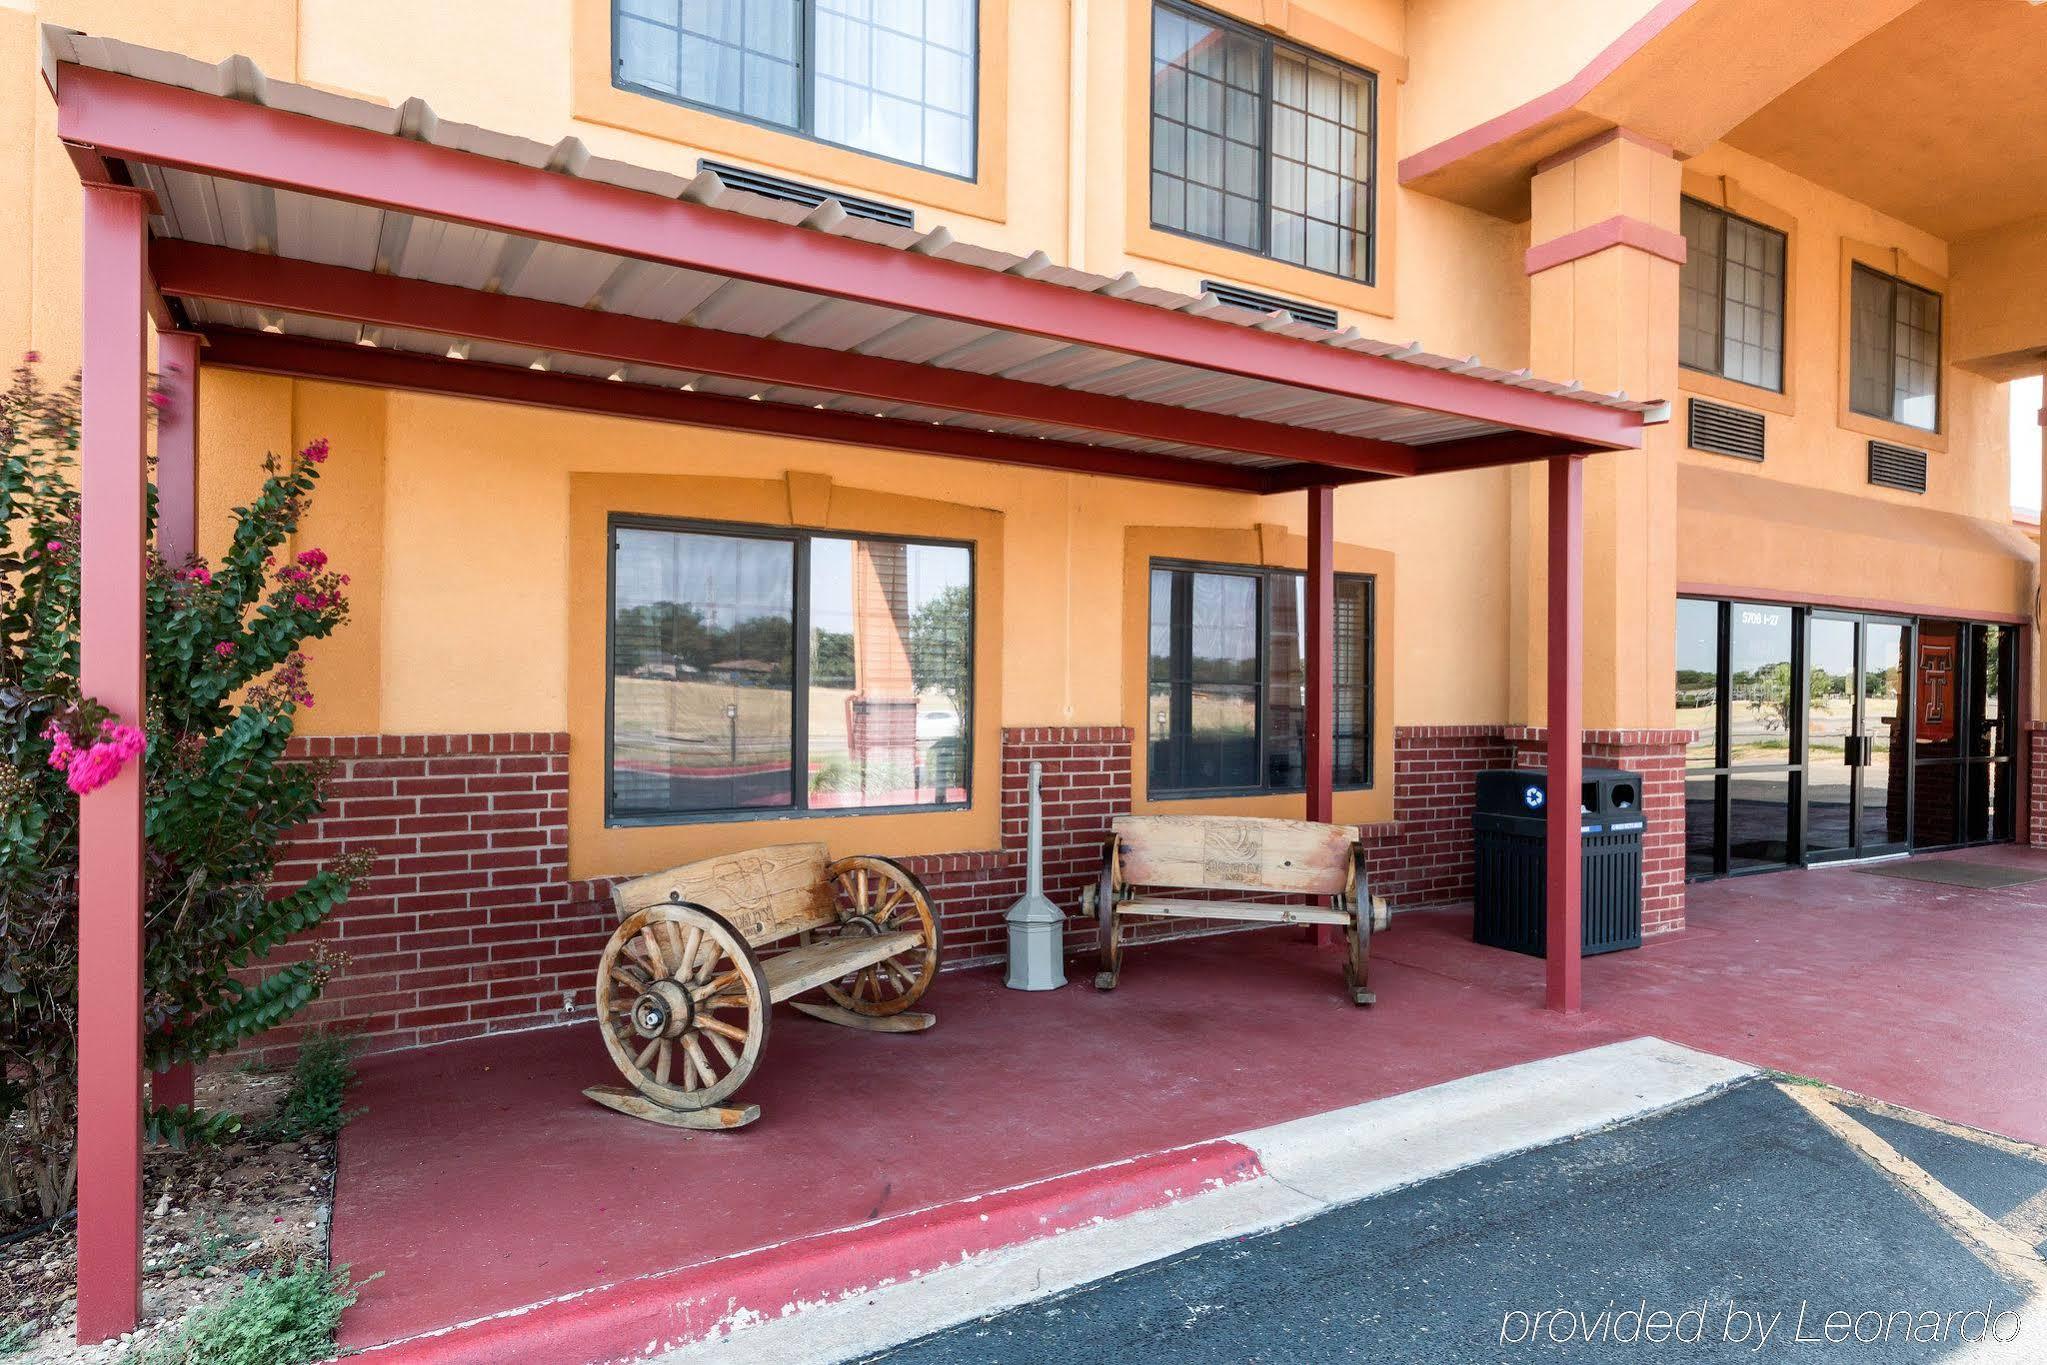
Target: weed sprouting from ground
[314,1106]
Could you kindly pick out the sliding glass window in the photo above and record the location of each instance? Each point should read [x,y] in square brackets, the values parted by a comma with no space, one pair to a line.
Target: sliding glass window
[759,671]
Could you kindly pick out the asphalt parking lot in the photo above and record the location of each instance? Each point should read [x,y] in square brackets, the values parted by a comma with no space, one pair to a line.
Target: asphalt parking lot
[1767,1221]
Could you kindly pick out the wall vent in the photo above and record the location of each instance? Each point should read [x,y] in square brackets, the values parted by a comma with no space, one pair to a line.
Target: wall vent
[1723,430]
[1894,466]
[810,196]
[1236,296]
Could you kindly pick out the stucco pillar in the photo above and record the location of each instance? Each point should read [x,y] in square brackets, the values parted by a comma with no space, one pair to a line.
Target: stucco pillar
[1604,250]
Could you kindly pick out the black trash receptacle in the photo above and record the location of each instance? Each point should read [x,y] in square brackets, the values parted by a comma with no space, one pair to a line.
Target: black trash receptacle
[1510,859]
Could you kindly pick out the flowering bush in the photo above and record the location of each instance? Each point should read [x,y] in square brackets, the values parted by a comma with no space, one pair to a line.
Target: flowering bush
[225,679]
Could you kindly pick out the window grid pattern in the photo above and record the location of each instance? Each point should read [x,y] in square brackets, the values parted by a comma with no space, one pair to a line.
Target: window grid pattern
[1894,350]
[1321,139]
[1260,145]
[891,78]
[1208,130]
[1731,297]
[1226,697]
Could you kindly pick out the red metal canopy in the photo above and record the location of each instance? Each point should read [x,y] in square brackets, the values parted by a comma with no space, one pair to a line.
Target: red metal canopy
[284,212]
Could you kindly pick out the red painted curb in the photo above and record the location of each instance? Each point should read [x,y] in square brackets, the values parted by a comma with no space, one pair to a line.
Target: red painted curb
[694,1302]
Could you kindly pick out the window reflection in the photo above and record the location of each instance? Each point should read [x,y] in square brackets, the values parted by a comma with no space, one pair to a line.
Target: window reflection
[889,667]
[706,715]
[1698,677]
[1227,681]
[1760,697]
[702,636]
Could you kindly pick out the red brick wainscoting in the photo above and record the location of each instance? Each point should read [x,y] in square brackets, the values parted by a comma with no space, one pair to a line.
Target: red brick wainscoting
[470,925]
[1659,756]
[2034,830]
[464,926]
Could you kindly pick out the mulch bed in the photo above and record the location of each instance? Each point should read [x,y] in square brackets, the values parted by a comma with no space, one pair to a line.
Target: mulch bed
[212,1216]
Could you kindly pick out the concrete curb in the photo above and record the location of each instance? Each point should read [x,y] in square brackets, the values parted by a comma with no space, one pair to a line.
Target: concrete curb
[857,1289]
[634,1318]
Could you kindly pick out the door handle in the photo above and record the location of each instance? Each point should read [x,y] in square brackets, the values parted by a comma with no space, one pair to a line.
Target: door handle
[1856,751]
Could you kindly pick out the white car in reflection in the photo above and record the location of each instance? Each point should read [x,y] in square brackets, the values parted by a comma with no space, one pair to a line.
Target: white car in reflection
[941,724]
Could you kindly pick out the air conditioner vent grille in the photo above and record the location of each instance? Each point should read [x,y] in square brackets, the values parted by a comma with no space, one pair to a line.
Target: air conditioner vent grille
[1236,296]
[1724,430]
[810,196]
[1896,466]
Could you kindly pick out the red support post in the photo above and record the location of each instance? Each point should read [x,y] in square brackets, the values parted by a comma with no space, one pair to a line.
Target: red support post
[1320,658]
[1320,654]
[113,480]
[1563,969]
[177,539]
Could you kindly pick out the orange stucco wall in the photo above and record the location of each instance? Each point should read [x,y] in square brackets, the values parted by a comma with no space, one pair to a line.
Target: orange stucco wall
[458,521]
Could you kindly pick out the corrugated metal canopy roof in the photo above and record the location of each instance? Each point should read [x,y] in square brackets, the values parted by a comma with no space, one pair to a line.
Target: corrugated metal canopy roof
[257,259]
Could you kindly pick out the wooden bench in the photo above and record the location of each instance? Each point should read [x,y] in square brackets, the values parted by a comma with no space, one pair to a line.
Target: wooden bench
[1219,854]
[702,952]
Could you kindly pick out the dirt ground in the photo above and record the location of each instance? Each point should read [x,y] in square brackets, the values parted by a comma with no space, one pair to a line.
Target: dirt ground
[211,1217]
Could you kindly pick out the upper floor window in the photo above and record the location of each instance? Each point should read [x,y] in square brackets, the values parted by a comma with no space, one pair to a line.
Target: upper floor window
[1894,350]
[894,78]
[1227,691]
[759,671]
[1260,145]
[1731,297]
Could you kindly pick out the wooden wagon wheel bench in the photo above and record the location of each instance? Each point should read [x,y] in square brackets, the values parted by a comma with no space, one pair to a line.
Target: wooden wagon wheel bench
[1322,865]
[703,952]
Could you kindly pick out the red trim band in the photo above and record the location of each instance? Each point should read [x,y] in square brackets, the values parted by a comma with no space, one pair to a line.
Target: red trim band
[1619,230]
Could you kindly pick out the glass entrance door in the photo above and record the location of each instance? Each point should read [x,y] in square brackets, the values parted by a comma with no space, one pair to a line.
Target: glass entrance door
[1858,793]
[1961,773]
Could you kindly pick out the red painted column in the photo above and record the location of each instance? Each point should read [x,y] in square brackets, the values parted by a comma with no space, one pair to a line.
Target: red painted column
[1562,987]
[1319,657]
[1320,653]
[177,539]
[112,481]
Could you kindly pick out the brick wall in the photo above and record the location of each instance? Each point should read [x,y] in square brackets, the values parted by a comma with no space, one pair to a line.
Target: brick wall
[2034,828]
[464,925]
[1659,756]
[1423,856]
[469,924]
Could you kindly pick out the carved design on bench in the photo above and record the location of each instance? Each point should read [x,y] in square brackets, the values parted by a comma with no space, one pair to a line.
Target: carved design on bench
[1215,854]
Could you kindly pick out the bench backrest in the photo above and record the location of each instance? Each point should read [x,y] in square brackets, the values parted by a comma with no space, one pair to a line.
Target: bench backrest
[767,893]
[1234,853]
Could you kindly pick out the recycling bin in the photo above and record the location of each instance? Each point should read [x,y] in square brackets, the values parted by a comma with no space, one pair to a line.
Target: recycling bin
[1510,854]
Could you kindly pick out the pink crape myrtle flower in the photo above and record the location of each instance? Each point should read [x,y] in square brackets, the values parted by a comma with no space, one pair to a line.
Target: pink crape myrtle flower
[225,649]
[88,769]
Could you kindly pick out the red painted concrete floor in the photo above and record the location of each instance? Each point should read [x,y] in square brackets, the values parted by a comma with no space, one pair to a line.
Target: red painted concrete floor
[479,1179]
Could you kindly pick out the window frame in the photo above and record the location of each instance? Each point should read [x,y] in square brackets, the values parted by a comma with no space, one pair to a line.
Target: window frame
[806,99]
[799,538]
[1723,214]
[1263,575]
[1889,416]
[1268,42]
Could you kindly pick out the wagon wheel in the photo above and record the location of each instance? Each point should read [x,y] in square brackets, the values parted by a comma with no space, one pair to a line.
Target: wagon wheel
[881,896]
[683,1005]
[1108,936]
